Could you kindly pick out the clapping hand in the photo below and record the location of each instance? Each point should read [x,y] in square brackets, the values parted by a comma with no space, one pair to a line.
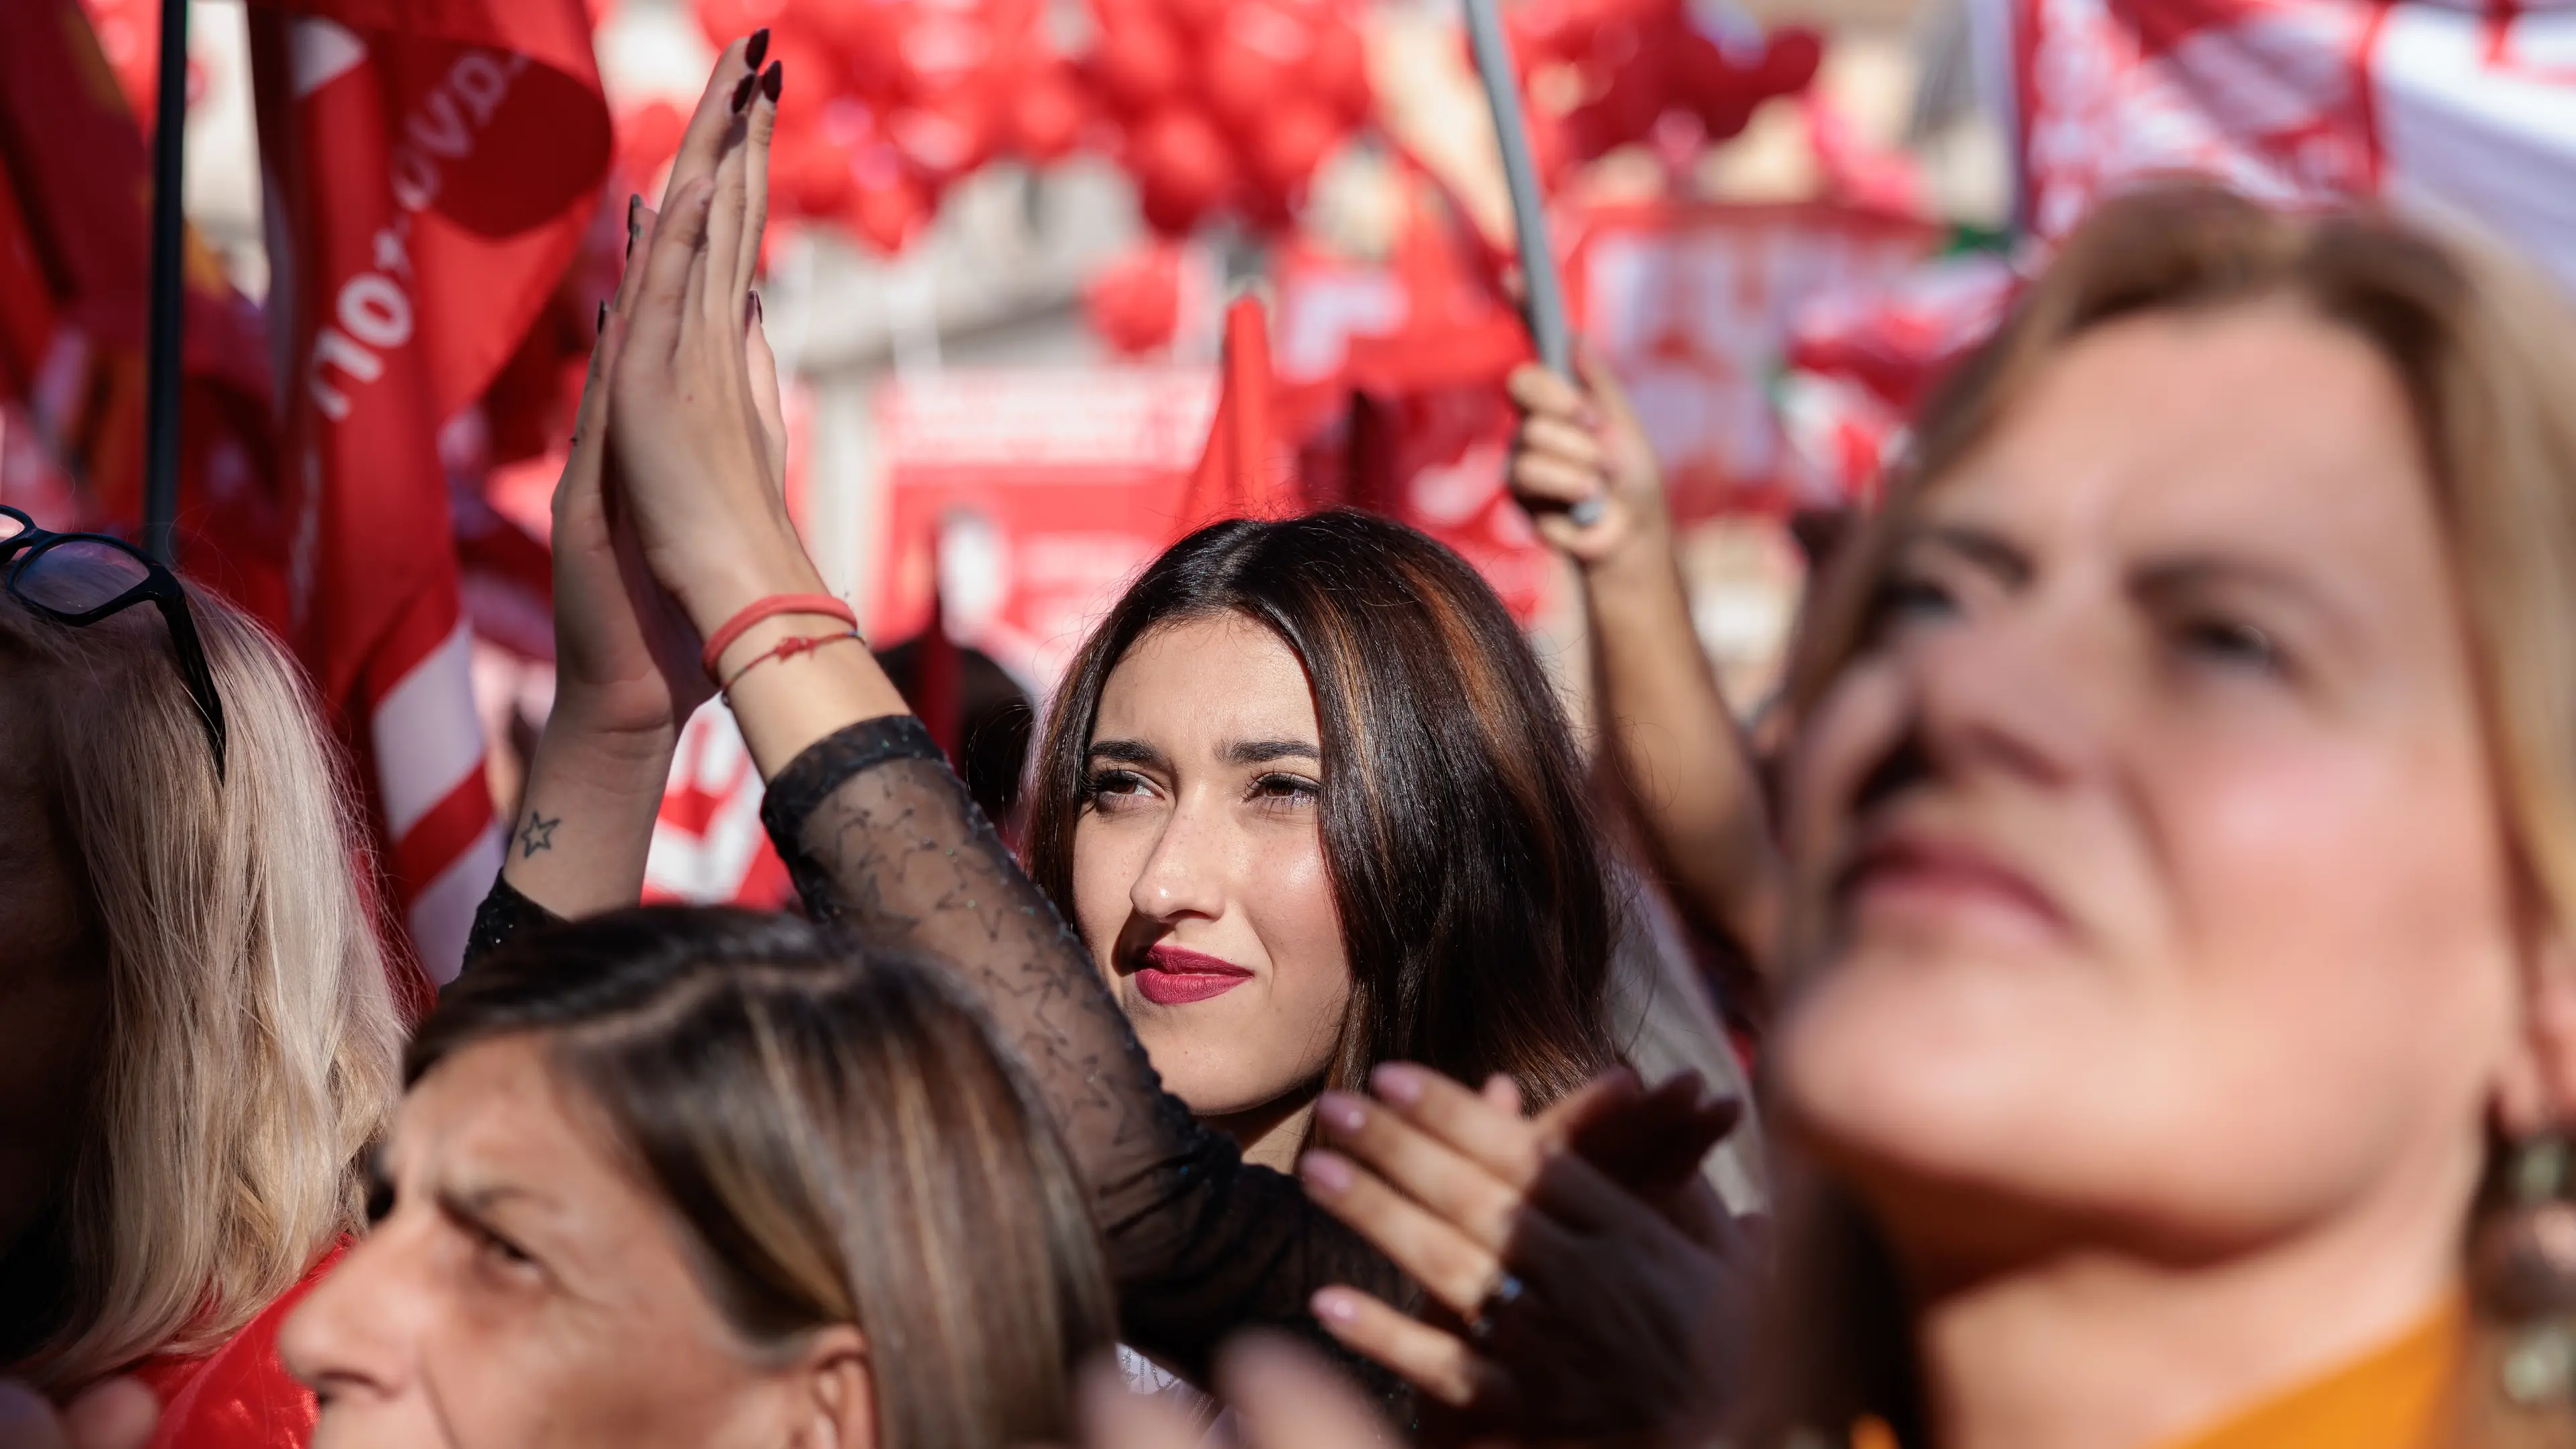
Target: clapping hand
[1585,1283]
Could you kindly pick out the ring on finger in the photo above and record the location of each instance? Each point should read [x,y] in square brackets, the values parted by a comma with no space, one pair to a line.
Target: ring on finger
[1507,1290]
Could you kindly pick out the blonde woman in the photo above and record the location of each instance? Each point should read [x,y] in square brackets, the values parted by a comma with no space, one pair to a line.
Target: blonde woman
[197,1040]
[2184,853]
[692,1177]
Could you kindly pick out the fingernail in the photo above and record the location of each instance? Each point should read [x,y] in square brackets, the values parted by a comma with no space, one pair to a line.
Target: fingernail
[1325,1173]
[756,315]
[1335,1306]
[602,324]
[634,227]
[742,93]
[774,80]
[1341,1111]
[1397,1083]
[752,53]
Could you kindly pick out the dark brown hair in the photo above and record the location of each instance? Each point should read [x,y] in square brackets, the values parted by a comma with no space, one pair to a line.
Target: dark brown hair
[2485,354]
[840,1138]
[1463,855]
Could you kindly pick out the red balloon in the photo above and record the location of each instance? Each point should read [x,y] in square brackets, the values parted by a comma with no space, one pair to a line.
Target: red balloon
[1182,167]
[726,21]
[888,217]
[1139,64]
[1194,15]
[809,79]
[1789,62]
[941,53]
[1288,147]
[947,136]
[809,175]
[1241,83]
[865,37]
[647,136]
[1338,72]
[1047,115]
[1134,303]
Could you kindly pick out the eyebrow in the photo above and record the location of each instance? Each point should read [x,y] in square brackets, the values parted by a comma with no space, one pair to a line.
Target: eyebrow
[1983,548]
[1130,752]
[1262,752]
[1238,752]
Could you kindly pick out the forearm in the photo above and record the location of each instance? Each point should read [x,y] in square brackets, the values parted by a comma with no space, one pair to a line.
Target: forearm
[585,821]
[1677,747]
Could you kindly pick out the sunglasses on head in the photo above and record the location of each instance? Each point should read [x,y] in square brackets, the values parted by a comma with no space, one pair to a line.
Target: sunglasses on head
[77,579]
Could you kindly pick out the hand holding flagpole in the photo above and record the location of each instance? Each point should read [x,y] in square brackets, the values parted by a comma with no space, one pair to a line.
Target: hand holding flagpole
[1543,295]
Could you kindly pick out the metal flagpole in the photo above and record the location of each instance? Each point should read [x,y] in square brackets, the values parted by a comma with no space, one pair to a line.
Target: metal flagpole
[161,396]
[1543,295]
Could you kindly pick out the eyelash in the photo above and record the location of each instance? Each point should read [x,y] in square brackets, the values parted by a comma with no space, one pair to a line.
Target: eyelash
[1905,599]
[2230,643]
[1112,790]
[1109,790]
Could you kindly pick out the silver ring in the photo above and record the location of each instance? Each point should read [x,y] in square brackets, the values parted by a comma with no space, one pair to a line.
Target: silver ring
[1507,1290]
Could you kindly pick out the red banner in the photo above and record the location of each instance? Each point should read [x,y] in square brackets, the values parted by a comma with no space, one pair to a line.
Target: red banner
[431,168]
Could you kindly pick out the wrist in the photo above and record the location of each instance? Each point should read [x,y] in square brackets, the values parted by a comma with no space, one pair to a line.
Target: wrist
[722,588]
[579,741]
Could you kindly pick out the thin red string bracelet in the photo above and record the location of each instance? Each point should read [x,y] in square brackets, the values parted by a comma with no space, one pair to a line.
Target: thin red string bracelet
[822,605]
[787,649]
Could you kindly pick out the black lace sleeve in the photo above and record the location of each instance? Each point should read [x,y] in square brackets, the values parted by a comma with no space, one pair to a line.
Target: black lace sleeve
[881,837]
[504,916]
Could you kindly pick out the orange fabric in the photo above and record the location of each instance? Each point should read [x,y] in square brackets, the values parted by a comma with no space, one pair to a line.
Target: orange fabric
[2393,1399]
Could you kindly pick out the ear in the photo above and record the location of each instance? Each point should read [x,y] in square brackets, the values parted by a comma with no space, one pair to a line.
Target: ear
[2538,1090]
[836,1403]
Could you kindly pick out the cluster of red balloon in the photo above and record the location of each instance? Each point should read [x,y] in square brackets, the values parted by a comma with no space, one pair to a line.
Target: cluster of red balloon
[1227,106]
[1633,63]
[889,102]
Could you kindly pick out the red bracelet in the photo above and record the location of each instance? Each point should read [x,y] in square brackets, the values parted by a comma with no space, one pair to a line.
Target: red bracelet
[787,649]
[823,605]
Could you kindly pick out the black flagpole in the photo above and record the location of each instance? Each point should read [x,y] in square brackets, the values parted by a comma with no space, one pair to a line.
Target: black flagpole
[161,394]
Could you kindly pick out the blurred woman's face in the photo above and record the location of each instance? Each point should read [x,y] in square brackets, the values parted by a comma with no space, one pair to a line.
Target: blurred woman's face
[520,1287]
[2151,844]
[1198,865]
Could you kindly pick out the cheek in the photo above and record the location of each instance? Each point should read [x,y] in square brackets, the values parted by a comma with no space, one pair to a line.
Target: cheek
[1106,862]
[1300,927]
[2364,894]
[638,1374]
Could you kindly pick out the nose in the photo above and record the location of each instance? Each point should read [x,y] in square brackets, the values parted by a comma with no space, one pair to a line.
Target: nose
[1181,878]
[2018,694]
[351,1336]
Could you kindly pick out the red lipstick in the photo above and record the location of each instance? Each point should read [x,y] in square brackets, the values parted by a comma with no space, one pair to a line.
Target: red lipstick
[1177,976]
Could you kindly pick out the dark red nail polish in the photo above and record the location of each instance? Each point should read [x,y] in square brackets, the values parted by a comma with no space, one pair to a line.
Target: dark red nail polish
[759,47]
[602,324]
[774,80]
[756,314]
[742,93]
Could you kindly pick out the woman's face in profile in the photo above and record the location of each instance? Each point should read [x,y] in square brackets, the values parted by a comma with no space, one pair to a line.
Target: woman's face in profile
[2150,846]
[520,1287]
[1199,876]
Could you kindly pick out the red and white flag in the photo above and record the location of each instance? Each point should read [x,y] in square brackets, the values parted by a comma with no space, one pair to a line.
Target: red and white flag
[430,164]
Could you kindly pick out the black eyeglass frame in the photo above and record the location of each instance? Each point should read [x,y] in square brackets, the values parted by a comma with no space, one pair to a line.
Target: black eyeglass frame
[19,551]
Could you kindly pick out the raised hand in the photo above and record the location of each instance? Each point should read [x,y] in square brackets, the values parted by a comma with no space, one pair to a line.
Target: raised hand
[1578,443]
[626,660]
[700,463]
[1567,1304]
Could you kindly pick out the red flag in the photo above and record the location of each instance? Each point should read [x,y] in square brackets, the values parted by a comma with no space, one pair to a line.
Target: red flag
[432,164]
[1248,470]
[75,197]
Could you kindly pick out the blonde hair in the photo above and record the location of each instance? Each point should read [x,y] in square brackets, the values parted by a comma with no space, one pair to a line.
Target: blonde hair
[2487,357]
[841,1139]
[252,1040]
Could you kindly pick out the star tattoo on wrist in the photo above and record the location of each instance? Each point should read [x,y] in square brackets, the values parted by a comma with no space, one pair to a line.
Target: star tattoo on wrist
[537,835]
